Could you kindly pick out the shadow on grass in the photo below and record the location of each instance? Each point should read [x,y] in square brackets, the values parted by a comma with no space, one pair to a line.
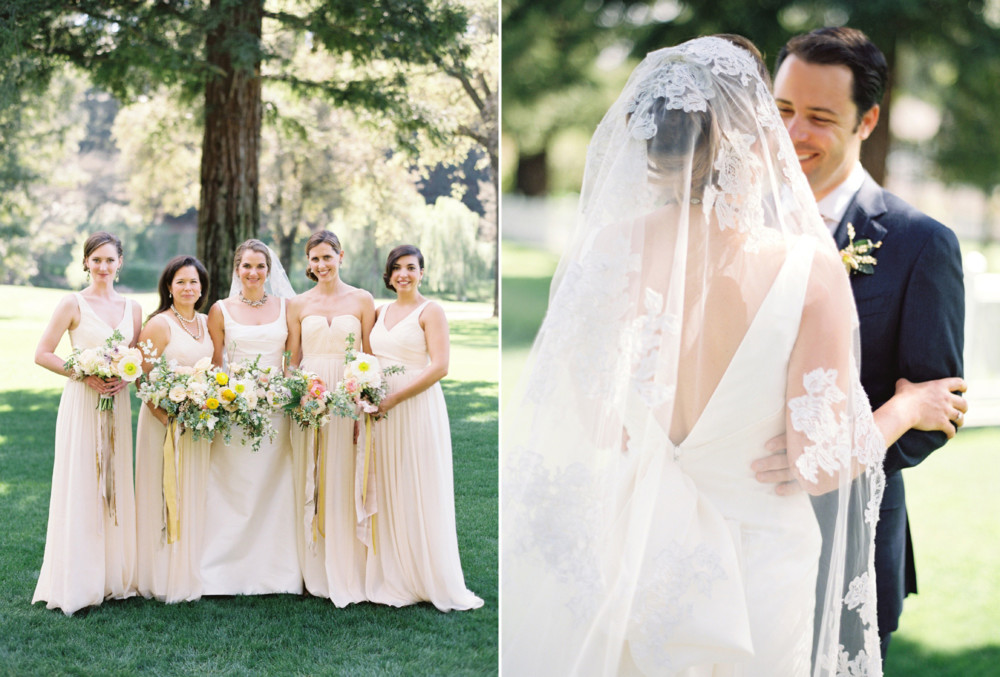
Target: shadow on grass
[270,634]
[914,660]
[474,333]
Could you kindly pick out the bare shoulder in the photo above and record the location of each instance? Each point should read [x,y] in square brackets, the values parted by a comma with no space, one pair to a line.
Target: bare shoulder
[433,312]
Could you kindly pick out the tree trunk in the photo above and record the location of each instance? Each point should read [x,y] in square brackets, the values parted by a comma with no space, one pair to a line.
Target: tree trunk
[532,174]
[229,212]
[875,149]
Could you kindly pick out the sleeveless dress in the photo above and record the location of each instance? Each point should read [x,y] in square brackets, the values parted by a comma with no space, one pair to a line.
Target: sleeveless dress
[417,556]
[249,539]
[171,572]
[742,534]
[88,558]
[727,569]
[334,566]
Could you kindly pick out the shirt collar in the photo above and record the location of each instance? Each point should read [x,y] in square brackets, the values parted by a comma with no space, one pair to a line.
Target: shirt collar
[834,206]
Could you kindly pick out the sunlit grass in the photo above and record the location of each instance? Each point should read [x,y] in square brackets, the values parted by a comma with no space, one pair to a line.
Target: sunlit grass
[273,634]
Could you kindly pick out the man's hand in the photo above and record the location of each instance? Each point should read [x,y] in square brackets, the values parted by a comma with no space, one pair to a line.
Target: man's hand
[774,468]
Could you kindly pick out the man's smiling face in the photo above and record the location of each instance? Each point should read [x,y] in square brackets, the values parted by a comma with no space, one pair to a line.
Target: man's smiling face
[819,113]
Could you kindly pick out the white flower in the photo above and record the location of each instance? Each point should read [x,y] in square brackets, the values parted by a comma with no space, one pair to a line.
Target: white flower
[177,394]
[130,365]
[204,364]
[91,360]
[154,375]
[365,369]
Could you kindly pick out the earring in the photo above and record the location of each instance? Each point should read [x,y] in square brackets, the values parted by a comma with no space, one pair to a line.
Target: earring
[117,275]
[88,274]
[171,294]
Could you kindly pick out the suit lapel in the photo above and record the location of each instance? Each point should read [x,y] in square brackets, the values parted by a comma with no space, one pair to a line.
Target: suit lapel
[867,206]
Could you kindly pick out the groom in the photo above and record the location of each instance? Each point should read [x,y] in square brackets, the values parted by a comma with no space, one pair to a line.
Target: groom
[828,85]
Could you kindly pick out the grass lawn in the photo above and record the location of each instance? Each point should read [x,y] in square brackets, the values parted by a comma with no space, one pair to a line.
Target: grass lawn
[952,628]
[264,635]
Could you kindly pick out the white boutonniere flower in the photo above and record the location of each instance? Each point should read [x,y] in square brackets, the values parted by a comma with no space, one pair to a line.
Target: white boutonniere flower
[857,255]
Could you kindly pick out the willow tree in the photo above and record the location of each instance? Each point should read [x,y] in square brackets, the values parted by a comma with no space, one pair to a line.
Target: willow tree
[220,51]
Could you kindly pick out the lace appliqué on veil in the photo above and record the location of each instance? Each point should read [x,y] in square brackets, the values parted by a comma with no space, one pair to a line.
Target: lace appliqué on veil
[556,514]
[643,344]
[667,596]
[814,415]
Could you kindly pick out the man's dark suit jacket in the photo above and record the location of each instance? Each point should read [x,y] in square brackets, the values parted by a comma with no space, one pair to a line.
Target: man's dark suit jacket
[912,313]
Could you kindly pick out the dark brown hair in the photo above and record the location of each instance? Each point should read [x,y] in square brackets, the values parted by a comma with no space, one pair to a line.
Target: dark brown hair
[253,245]
[167,279]
[843,46]
[395,255]
[318,238]
[98,240]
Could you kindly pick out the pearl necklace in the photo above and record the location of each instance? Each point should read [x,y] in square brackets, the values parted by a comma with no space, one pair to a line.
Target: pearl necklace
[254,304]
[184,322]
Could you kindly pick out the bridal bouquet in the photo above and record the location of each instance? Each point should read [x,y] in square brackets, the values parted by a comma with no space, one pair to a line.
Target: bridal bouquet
[310,402]
[113,359]
[192,396]
[250,393]
[364,384]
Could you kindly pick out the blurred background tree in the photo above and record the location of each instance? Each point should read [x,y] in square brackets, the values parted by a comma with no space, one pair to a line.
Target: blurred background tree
[565,60]
[235,119]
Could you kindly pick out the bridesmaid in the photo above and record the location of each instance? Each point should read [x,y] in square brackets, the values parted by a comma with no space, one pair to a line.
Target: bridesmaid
[417,545]
[318,324]
[170,572]
[249,538]
[90,553]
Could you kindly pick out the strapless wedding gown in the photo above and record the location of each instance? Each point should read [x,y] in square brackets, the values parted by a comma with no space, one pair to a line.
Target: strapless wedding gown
[726,579]
[417,556]
[250,519]
[171,572]
[88,556]
[333,566]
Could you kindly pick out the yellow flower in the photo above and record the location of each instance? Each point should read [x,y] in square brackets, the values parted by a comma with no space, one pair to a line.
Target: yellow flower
[239,387]
[221,378]
[228,395]
[212,403]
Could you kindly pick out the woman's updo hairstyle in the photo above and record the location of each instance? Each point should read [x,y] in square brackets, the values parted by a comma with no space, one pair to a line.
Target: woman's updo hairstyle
[395,255]
[253,245]
[318,238]
[98,240]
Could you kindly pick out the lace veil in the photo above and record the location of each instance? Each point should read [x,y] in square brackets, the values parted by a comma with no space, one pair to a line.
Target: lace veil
[694,218]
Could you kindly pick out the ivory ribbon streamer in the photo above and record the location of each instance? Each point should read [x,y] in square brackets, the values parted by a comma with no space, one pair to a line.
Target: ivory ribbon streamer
[171,471]
[105,464]
[315,489]
[365,494]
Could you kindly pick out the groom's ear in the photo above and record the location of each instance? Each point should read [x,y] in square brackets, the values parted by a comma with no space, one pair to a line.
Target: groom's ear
[868,122]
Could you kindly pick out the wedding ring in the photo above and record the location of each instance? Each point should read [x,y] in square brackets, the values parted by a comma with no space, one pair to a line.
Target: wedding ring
[958,419]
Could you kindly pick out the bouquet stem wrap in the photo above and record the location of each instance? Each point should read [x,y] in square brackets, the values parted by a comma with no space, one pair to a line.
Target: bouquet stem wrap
[315,491]
[171,471]
[106,458]
[365,495]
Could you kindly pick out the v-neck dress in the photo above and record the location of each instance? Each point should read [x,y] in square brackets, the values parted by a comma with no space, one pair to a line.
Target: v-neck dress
[89,555]
[416,558]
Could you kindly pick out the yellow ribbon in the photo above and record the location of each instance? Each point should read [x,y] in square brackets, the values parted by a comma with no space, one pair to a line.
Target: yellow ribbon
[171,470]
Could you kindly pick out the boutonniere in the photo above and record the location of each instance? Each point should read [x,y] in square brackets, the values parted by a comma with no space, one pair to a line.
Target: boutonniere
[857,255]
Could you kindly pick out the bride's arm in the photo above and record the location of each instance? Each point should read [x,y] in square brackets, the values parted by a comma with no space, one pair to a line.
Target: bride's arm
[824,401]
[217,330]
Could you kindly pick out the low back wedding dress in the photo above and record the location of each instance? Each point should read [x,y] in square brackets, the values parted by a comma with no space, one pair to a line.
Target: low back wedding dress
[699,311]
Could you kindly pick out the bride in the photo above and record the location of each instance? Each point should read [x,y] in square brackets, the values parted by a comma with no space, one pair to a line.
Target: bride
[700,310]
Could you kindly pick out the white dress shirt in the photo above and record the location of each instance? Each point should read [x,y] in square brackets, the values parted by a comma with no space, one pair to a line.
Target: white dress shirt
[833,207]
